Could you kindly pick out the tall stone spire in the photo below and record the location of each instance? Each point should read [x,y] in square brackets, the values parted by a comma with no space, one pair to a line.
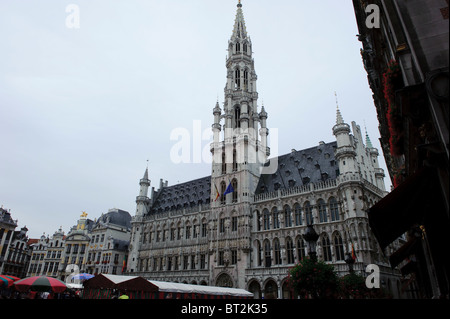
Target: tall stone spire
[239,30]
[368,142]
[339,119]
[238,154]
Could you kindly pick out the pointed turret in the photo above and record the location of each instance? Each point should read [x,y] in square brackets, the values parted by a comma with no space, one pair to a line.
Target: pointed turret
[239,43]
[345,151]
[368,142]
[339,119]
[341,126]
[143,199]
[216,127]
[239,30]
[379,172]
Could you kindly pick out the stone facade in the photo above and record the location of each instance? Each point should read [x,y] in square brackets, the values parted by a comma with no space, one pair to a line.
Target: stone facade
[241,227]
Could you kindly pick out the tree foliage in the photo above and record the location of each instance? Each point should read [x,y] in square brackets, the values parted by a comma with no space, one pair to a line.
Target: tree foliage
[314,278]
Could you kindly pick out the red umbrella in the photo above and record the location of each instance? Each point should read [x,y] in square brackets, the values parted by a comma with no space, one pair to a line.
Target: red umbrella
[40,283]
[5,281]
[14,278]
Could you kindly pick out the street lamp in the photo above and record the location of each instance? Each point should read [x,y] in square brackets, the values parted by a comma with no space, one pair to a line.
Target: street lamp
[311,237]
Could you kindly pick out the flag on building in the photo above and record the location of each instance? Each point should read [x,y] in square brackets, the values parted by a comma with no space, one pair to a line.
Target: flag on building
[353,252]
[217,192]
[124,263]
[229,189]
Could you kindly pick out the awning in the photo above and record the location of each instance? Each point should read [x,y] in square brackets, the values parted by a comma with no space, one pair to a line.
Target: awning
[130,283]
[408,204]
[200,289]
[403,252]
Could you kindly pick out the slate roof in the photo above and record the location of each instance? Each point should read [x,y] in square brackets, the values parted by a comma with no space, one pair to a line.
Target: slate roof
[115,216]
[302,167]
[186,194]
[297,168]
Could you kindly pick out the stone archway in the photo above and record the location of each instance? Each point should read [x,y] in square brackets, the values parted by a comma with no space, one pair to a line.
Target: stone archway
[255,289]
[271,289]
[286,291]
[224,280]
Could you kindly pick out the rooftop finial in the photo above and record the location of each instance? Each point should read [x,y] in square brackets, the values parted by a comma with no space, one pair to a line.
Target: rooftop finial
[339,119]
[337,105]
[239,4]
[368,142]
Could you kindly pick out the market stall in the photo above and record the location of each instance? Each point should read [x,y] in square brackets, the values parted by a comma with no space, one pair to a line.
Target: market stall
[170,290]
[110,286]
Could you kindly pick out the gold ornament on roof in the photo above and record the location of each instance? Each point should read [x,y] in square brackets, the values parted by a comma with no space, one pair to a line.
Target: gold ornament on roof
[84,214]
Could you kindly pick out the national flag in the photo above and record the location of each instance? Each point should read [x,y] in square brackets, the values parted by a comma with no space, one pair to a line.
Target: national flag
[124,263]
[217,192]
[353,252]
[229,189]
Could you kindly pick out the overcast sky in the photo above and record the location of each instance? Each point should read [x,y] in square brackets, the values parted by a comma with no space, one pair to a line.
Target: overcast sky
[82,109]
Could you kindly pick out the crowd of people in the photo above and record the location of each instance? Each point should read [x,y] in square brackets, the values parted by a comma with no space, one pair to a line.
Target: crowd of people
[13,294]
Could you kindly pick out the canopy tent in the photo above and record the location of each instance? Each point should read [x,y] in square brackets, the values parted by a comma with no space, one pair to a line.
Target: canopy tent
[178,290]
[105,286]
[74,286]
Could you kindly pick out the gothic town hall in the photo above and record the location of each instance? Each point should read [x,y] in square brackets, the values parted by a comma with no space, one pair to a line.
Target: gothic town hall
[242,226]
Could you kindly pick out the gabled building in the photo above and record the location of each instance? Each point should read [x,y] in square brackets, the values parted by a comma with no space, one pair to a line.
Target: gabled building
[38,252]
[46,255]
[76,246]
[110,238]
[18,256]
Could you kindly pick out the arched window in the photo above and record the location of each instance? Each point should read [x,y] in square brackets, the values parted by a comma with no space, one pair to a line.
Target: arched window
[290,250]
[323,218]
[235,165]
[308,214]
[238,47]
[300,248]
[258,220]
[223,188]
[275,220]
[244,47]
[234,194]
[267,254]
[259,253]
[338,247]
[187,231]
[334,209]
[277,251]
[287,216]
[237,79]
[326,248]
[222,223]
[298,214]
[237,117]
[266,216]
[224,163]
[245,80]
